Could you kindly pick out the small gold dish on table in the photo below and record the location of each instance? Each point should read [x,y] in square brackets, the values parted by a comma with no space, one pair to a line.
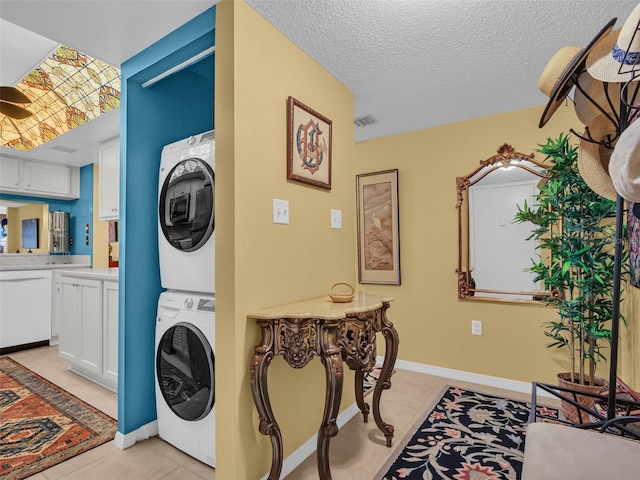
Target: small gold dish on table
[338,296]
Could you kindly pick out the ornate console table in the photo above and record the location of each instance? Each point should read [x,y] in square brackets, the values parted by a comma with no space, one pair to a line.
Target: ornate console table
[337,333]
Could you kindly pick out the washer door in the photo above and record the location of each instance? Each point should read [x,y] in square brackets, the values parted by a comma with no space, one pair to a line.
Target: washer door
[185,366]
[186,208]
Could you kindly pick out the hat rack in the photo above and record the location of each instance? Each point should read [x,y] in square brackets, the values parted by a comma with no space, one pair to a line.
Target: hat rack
[621,112]
[623,116]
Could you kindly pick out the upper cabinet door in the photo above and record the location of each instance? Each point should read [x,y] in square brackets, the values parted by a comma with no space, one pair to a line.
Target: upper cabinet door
[39,179]
[47,178]
[9,173]
[109,186]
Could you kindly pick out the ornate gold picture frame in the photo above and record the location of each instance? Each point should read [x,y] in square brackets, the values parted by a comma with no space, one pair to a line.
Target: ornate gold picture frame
[308,145]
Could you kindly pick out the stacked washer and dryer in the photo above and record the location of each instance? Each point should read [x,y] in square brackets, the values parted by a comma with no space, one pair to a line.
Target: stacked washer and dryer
[185,324]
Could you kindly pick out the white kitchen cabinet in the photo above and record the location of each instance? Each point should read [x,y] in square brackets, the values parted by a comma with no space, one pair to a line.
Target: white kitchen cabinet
[9,174]
[110,332]
[25,309]
[39,179]
[56,308]
[87,308]
[81,324]
[47,178]
[109,186]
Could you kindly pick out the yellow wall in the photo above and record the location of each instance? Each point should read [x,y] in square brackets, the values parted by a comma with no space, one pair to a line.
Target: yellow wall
[101,229]
[434,326]
[100,252]
[14,227]
[261,264]
[629,355]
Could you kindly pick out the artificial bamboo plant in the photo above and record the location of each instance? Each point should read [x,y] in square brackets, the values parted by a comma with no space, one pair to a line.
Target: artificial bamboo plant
[574,231]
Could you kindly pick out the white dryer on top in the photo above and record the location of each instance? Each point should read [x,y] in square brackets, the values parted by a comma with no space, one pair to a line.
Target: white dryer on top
[186,214]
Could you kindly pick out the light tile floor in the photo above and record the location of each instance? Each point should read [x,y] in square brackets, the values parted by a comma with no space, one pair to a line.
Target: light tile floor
[356,453]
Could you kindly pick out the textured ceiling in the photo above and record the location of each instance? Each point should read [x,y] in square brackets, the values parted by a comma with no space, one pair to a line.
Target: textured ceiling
[411,64]
[414,64]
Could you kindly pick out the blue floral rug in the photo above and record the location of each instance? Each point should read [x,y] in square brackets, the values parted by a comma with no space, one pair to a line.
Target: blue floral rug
[466,436]
[371,378]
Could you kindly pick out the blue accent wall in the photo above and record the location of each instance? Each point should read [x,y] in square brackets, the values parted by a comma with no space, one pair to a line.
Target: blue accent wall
[80,211]
[174,108]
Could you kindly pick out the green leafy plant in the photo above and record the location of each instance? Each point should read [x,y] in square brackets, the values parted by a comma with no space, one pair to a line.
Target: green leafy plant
[574,228]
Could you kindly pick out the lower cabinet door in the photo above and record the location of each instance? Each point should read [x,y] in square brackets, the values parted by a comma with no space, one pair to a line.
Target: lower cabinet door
[70,333]
[91,308]
[81,323]
[110,333]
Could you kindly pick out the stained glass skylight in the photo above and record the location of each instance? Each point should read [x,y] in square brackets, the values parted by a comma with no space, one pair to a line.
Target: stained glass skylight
[67,90]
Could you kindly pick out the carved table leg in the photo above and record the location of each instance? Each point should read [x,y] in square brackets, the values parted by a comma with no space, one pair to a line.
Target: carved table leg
[364,407]
[384,382]
[332,360]
[268,425]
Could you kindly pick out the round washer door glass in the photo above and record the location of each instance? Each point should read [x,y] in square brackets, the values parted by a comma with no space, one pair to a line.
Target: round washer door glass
[185,366]
[186,208]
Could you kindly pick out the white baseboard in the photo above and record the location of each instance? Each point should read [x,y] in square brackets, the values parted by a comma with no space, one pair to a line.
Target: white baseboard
[296,458]
[125,440]
[309,447]
[487,380]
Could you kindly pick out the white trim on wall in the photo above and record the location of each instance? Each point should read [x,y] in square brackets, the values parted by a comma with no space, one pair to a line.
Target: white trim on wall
[486,380]
[123,440]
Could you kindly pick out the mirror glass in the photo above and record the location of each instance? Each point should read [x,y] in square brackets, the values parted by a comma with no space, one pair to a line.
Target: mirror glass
[494,253]
[16,216]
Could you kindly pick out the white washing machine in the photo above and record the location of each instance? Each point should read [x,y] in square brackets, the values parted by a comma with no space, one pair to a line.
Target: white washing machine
[186,216]
[185,373]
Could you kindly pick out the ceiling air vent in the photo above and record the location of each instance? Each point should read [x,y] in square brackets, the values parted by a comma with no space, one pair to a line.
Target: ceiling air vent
[60,148]
[364,121]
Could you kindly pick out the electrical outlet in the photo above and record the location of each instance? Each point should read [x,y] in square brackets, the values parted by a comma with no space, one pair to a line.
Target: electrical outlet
[476,327]
[336,218]
[280,211]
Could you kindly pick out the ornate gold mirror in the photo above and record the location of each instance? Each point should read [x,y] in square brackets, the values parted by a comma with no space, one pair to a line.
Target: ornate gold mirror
[494,254]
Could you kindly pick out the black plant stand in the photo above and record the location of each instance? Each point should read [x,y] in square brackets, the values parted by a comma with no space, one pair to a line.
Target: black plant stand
[622,423]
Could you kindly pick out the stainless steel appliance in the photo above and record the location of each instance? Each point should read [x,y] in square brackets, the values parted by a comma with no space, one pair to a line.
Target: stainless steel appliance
[59,232]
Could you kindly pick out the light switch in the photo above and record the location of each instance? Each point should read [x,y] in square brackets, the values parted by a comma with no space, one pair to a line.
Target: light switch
[336,218]
[280,211]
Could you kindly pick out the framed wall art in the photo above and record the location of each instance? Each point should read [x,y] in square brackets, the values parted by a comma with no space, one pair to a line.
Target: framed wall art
[308,145]
[378,227]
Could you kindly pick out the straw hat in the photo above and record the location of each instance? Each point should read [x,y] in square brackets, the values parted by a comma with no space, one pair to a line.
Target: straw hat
[556,79]
[615,57]
[625,164]
[593,158]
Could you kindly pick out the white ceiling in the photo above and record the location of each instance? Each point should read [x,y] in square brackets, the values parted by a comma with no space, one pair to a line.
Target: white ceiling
[411,64]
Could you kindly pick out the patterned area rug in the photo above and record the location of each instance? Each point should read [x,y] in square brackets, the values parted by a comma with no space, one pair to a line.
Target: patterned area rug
[42,425]
[466,436]
[370,379]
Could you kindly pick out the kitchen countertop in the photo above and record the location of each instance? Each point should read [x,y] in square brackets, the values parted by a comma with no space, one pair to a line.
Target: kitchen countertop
[44,267]
[92,273]
[39,261]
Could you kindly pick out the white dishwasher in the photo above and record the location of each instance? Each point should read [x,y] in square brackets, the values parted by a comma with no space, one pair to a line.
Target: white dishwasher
[25,308]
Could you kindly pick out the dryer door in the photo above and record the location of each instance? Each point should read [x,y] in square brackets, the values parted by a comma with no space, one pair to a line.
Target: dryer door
[186,208]
[185,365]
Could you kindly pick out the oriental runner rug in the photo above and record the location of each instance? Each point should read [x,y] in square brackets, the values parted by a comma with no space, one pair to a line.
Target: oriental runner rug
[41,424]
[370,379]
[466,436]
